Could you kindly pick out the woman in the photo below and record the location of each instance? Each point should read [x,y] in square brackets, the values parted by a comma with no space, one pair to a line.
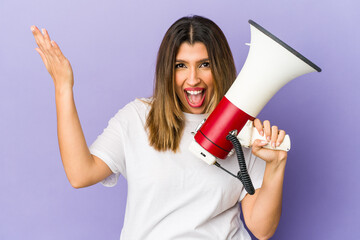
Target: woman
[172,194]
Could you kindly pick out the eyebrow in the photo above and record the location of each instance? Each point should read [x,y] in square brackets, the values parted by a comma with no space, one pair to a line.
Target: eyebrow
[201,60]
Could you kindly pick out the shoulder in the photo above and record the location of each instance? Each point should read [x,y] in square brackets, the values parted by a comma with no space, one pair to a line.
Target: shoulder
[138,105]
[134,111]
[141,104]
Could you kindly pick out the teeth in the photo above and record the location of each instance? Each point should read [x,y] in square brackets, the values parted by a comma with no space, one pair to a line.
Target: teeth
[194,92]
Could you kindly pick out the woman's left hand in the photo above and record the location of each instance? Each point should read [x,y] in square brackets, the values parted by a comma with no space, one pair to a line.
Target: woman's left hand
[274,137]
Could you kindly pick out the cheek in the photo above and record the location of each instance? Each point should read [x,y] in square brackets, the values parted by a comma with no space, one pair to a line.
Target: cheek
[178,91]
[178,82]
[210,82]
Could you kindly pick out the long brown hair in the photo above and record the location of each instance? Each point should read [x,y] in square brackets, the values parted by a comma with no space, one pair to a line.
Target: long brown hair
[165,121]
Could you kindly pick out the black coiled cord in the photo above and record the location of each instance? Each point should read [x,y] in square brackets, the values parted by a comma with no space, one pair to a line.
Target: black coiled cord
[243,174]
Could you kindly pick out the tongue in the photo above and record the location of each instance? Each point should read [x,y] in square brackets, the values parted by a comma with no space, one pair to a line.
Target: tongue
[195,99]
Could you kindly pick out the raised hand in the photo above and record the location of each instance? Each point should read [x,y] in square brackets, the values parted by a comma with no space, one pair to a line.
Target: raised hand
[55,62]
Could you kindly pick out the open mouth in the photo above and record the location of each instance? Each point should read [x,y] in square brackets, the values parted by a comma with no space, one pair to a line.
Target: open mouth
[195,96]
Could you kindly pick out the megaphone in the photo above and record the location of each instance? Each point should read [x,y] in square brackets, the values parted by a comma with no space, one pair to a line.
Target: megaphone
[270,64]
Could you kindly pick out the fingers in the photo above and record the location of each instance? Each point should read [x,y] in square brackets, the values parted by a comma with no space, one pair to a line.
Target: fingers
[280,138]
[46,38]
[50,51]
[38,37]
[258,144]
[42,39]
[267,130]
[272,133]
[258,125]
[56,49]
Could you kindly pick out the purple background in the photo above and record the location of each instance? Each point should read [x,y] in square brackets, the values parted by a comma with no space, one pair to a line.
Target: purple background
[112,46]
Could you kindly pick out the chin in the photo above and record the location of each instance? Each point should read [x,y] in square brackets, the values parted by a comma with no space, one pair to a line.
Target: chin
[199,110]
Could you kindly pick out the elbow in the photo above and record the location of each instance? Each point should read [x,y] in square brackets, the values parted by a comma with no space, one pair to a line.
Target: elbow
[263,232]
[77,183]
[264,235]
[78,180]
[76,186]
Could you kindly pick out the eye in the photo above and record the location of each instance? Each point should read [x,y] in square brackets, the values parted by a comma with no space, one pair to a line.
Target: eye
[180,65]
[205,64]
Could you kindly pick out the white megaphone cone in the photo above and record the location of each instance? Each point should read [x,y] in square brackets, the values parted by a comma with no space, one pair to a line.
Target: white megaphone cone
[270,64]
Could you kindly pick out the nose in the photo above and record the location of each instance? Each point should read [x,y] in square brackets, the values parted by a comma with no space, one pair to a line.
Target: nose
[193,77]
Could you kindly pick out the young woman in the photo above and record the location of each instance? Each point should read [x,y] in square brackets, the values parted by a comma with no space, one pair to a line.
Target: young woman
[172,194]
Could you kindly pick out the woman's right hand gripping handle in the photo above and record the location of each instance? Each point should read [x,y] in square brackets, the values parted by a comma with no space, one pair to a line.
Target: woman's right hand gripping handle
[82,168]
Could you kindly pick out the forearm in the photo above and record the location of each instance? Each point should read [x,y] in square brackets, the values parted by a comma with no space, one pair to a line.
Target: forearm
[74,151]
[266,211]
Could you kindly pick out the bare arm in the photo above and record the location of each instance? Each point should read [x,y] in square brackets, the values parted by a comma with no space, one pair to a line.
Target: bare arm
[262,210]
[82,168]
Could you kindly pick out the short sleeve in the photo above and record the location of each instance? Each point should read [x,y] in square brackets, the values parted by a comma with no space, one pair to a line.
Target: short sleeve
[256,169]
[109,147]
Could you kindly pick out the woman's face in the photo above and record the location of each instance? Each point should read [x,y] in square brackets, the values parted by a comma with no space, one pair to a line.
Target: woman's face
[193,77]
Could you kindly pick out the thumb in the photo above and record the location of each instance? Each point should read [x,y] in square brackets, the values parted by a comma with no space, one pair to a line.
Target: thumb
[258,144]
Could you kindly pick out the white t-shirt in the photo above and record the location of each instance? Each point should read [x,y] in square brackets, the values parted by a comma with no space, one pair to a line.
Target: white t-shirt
[172,195]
